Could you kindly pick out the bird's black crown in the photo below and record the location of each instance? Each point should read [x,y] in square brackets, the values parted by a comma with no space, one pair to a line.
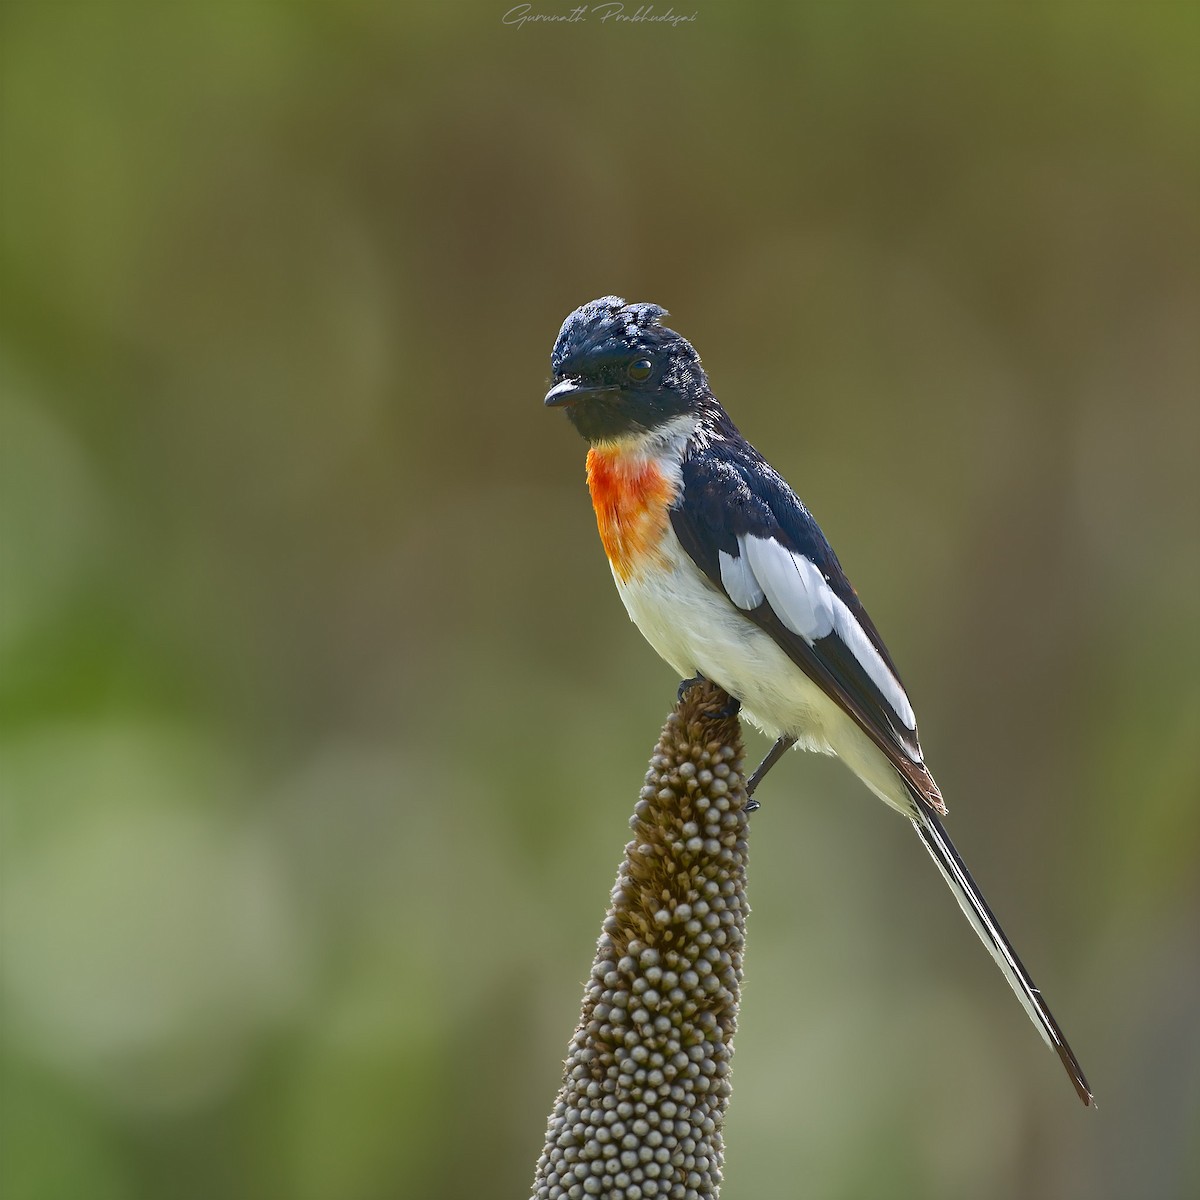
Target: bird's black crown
[618,370]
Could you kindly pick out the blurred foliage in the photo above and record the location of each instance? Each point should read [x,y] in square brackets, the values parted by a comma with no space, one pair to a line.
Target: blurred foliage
[320,721]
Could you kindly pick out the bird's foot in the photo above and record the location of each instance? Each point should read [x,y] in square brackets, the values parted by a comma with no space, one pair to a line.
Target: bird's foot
[730,708]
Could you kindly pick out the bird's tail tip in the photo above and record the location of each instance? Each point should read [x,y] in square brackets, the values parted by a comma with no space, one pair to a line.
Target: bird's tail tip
[1082,1087]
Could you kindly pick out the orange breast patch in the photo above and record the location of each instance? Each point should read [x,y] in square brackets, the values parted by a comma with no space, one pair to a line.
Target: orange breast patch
[631,497]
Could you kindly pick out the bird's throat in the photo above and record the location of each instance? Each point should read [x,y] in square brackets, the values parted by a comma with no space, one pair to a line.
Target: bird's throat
[631,495]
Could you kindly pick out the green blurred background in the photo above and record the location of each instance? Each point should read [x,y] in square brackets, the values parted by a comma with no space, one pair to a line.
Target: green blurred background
[321,720]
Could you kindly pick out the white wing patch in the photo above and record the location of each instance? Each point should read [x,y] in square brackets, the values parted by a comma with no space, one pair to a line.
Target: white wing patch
[802,599]
[738,580]
[794,588]
[871,661]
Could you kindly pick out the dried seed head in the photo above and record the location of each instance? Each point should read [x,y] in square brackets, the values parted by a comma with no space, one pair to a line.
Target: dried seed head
[646,1079]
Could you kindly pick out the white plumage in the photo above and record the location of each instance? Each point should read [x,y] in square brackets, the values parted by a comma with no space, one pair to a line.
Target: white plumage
[697,631]
[739,580]
[802,599]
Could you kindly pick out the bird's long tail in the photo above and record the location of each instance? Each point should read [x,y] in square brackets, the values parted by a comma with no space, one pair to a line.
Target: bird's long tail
[970,899]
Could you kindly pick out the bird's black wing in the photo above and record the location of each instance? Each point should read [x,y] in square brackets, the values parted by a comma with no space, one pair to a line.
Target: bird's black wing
[753,538]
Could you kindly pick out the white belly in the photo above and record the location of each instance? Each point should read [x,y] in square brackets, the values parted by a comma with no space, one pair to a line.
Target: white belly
[698,631]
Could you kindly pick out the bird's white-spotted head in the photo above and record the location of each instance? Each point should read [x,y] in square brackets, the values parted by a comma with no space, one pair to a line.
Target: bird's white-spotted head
[619,372]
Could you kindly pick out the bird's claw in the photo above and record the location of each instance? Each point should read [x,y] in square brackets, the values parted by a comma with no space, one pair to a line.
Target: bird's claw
[729,709]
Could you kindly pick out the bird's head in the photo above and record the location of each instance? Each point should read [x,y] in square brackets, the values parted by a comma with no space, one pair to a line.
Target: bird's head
[619,372]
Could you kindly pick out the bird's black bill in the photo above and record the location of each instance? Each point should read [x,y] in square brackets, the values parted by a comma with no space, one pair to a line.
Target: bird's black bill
[570,391]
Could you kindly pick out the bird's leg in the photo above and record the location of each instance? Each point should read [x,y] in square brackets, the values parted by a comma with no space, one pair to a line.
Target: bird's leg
[777,751]
[686,686]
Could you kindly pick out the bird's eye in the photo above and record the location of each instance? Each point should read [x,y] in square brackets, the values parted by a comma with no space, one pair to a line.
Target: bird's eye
[639,371]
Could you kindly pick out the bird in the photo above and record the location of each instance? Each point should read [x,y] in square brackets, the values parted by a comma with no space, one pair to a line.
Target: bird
[729,578]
